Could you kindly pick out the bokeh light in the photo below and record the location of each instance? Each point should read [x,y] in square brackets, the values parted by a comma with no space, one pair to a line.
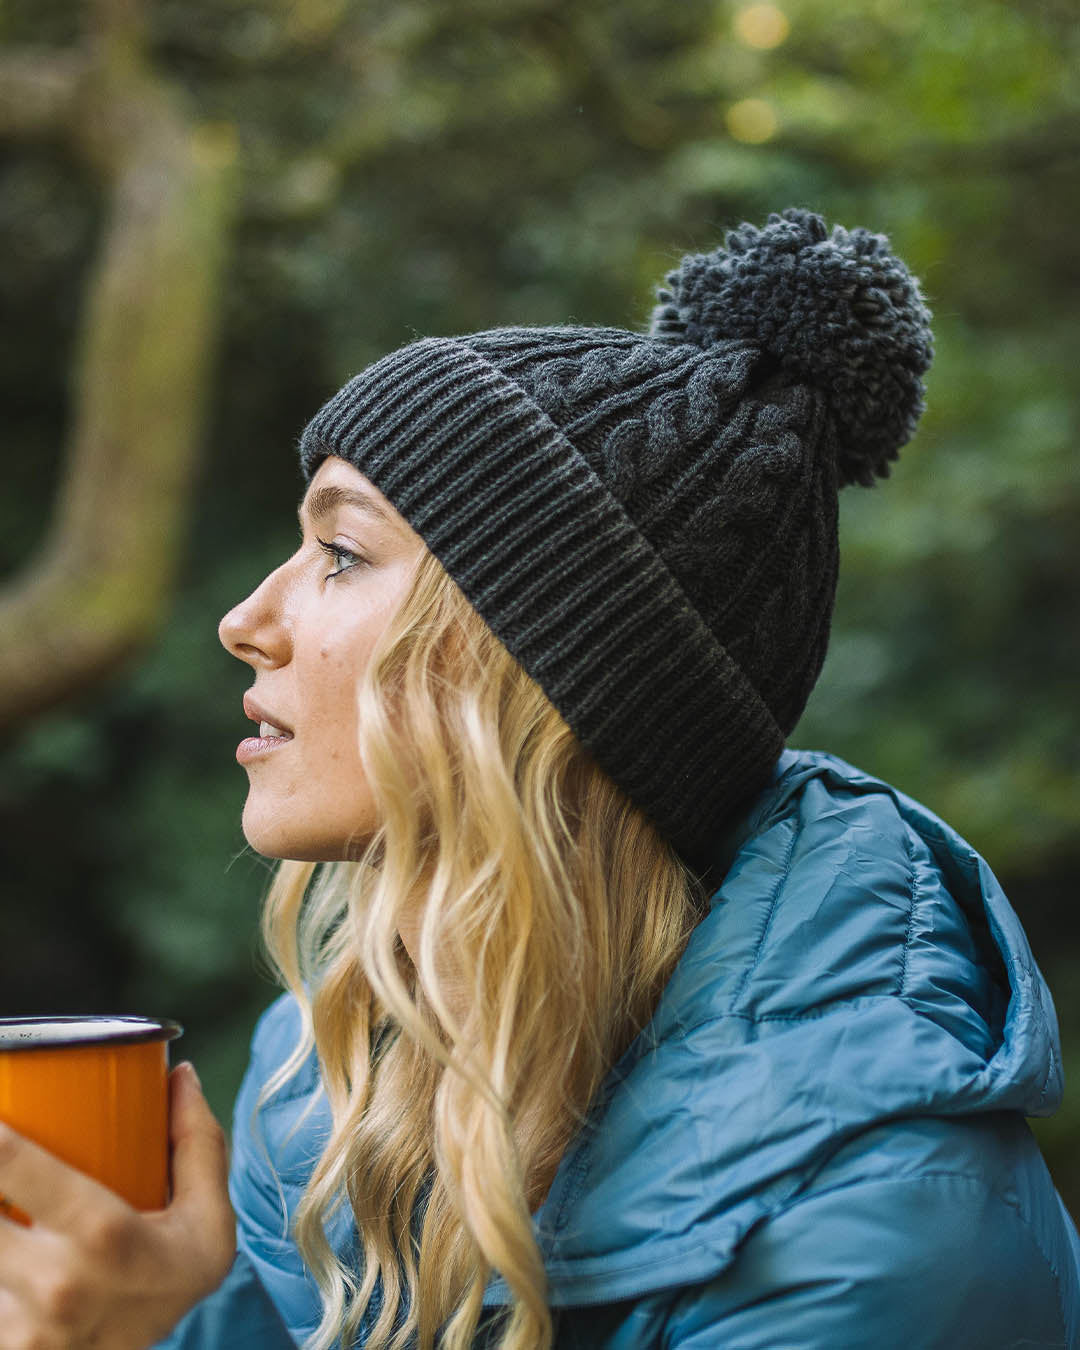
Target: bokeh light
[752,121]
[762,26]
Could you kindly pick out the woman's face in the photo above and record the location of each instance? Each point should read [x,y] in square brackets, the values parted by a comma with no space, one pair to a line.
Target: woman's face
[307,632]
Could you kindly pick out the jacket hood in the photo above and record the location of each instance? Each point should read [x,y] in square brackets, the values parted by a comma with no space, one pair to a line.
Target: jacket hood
[858,963]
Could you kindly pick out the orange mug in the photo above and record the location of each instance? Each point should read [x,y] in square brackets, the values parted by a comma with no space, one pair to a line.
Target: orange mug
[94,1091]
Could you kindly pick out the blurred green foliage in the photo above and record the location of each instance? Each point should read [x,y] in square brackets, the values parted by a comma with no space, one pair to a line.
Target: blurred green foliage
[435,166]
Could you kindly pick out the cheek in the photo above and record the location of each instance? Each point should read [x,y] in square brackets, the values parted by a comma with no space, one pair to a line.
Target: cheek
[343,658]
[329,688]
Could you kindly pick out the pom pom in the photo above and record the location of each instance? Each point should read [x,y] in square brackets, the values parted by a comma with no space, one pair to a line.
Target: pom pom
[837,311]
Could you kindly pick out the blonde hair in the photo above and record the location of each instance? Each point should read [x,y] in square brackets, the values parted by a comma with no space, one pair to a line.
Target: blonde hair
[544,899]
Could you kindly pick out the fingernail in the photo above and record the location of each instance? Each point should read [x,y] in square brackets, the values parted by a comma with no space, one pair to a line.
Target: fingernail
[191,1071]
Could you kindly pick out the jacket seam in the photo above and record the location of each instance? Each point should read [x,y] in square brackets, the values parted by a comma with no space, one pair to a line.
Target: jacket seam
[910,931]
[808,1015]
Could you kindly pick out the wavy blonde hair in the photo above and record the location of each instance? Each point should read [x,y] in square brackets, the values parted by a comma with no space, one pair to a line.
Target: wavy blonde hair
[549,914]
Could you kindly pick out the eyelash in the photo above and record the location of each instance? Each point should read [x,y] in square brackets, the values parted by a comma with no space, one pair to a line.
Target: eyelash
[336,553]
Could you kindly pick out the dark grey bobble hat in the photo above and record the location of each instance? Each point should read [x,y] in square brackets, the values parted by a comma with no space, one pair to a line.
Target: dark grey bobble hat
[648,521]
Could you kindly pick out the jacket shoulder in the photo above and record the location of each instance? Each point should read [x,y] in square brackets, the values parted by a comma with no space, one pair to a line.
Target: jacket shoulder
[844,980]
[833,885]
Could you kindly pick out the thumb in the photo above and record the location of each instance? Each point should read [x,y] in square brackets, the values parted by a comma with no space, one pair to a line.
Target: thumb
[200,1164]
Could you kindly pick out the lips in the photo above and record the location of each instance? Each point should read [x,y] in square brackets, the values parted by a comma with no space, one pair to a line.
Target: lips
[271,726]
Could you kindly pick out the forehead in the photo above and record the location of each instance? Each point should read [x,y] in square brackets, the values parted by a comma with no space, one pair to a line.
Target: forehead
[337,485]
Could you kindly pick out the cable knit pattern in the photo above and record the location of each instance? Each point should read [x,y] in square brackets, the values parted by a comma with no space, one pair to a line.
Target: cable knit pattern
[648,521]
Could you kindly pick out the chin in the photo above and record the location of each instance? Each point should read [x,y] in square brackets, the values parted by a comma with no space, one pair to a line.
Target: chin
[291,850]
[278,839]
[273,840]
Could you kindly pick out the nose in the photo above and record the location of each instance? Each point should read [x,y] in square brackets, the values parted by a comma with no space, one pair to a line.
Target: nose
[255,631]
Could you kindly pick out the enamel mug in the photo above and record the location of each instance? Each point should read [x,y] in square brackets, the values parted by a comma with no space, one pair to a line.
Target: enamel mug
[94,1091]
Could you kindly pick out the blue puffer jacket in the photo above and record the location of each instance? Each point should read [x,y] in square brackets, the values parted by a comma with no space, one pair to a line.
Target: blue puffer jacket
[818,1143]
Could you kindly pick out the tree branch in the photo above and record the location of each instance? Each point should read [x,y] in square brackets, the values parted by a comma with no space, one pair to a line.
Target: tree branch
[100,581]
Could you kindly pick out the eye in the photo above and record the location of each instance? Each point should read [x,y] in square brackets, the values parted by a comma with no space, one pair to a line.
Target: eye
[345,559]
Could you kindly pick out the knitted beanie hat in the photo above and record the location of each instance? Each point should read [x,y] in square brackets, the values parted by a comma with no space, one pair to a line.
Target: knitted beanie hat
[648,521]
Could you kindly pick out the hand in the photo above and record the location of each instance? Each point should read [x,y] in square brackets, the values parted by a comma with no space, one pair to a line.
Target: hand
[94,1272]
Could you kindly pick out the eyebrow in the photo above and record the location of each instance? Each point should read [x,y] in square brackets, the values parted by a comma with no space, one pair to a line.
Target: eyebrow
[330,496]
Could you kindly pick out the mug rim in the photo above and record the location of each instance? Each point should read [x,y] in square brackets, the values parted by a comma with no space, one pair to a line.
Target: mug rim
[55,1033]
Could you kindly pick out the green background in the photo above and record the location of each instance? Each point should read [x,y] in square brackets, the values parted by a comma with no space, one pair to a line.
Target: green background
[436,167]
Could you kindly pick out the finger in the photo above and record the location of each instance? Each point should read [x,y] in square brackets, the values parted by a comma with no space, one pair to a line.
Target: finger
[200,1163]
[200,1205]
[48,1190]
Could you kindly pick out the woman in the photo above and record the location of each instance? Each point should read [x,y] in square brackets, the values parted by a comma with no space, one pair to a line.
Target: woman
[609,1022]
